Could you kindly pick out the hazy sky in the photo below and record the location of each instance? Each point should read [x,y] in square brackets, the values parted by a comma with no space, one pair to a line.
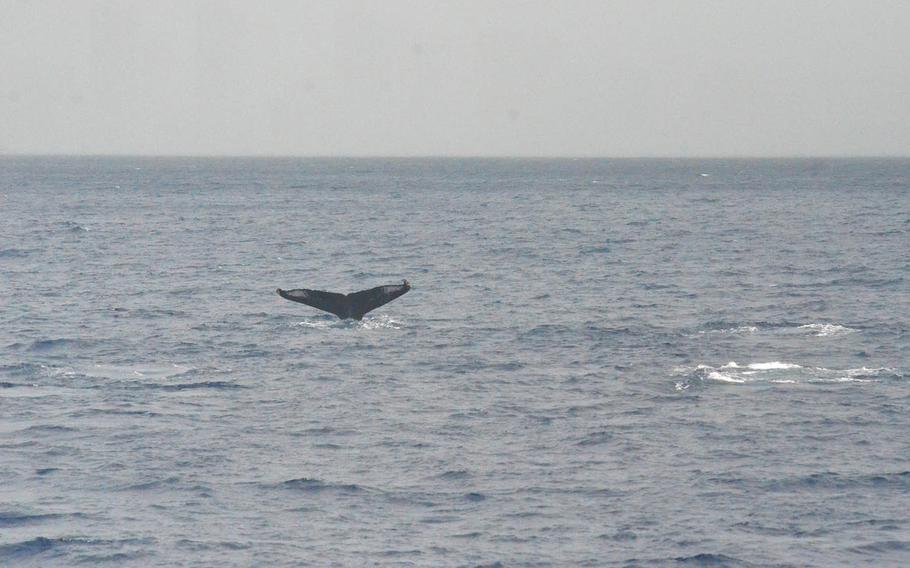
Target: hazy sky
[462,77]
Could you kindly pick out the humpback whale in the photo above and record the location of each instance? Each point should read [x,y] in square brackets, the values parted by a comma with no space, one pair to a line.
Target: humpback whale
[347,306]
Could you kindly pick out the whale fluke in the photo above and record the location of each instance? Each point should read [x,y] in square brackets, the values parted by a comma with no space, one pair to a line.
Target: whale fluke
[347,306]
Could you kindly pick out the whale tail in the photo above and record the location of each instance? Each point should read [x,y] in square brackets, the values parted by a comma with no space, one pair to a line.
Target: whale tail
[347,306]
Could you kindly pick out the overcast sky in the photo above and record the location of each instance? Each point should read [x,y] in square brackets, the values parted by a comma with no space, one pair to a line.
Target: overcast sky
[462,77]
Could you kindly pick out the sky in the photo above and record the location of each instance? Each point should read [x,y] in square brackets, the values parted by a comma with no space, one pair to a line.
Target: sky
[456,78]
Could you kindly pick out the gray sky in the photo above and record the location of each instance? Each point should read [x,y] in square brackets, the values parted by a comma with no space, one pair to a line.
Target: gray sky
[462,77]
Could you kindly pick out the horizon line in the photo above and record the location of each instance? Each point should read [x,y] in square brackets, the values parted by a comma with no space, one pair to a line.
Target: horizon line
[463,156]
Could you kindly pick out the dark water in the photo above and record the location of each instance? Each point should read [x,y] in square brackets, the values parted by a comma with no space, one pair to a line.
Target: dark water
[697,363]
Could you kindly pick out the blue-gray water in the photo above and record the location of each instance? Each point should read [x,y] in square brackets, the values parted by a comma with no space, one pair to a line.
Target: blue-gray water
[601,363]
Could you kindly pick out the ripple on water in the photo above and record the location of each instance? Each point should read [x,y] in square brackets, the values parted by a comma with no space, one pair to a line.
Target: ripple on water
[310,485]
[515,409]
[709,560]
[28,550]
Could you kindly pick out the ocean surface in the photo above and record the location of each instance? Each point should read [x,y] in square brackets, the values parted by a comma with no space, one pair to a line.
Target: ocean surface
[601,363]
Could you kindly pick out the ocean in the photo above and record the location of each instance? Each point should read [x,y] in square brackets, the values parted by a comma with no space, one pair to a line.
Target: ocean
[601,362]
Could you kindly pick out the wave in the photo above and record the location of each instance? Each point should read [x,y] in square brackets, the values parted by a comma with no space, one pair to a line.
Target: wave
[595,439]
[149,371]
[189,386]
[151,376]
[841,482]
[742,329]
[311,485]
[199,545]
[115,412]
[468,535]
[74,227]
[882,546]
[314,324]
[788,328]
[114,558]
[152,484]
[825,480]
[46,428]
[23,549]
[453,475]
[56,344]
[827,329]
[773,365]
[20,551]
[780,373]
[546,330]
[11,519]
[13,253]
[151,313]
[24,370]
[712,560]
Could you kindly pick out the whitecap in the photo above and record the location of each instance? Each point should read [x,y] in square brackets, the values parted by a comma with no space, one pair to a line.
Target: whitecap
[840,380]
[773,365]
[724,377]
[779,372]
[743,329]
[146,371]
[827,329]
[814,329]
